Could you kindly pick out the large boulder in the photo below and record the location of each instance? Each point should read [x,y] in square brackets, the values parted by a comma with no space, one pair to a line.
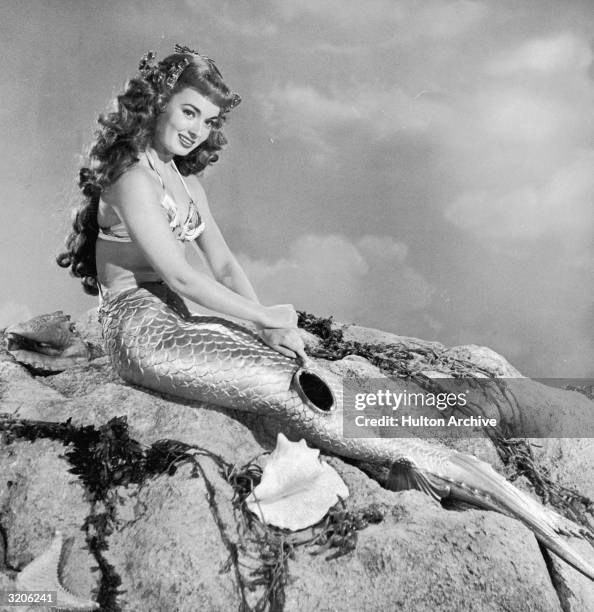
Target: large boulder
[177,540]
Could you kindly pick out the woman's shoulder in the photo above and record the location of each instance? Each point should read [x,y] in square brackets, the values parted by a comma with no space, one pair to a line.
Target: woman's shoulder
[137,180]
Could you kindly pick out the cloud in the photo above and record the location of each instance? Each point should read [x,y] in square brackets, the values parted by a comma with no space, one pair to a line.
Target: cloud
[517,148]
[339,26]
[368,281]
[439,20]
[323,120]
[249,28]
[11,312]
[303,114]
[302,108]
[342,13]
[406,19]
[518,116]
[557,206]
[247,20]
[561,53]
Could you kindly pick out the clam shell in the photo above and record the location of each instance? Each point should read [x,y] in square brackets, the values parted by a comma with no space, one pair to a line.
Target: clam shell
[297,489]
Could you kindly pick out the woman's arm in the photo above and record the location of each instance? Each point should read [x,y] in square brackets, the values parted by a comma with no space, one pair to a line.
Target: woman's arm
[227,270]
[135,196]
[223,264]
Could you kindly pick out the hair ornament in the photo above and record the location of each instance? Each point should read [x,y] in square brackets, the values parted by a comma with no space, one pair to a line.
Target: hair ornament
[153,71]
[234,102]
[183,49]
[175,71]
[236,98]
[188,51]
[150,69]
[148,63]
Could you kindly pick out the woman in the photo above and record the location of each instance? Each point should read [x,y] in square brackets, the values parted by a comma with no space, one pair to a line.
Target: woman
[143,200]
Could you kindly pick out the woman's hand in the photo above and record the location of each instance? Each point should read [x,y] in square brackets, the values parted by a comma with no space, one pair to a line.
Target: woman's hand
[286,341]
[280,316]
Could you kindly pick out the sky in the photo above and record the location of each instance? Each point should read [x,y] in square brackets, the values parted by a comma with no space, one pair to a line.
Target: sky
[424,168]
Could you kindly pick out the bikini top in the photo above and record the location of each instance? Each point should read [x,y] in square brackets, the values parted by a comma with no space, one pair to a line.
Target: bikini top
[189,230]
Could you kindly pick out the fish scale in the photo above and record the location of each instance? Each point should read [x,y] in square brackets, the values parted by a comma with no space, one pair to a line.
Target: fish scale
[154,342]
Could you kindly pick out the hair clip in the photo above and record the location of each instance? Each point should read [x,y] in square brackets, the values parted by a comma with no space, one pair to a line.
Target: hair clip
[183,49]
[147,62]
[153,71]
[175,71]
[234,102]
[208,60]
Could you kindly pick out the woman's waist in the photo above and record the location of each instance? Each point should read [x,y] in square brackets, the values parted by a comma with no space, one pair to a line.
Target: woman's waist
[114,279]
[145,300]
[121,268]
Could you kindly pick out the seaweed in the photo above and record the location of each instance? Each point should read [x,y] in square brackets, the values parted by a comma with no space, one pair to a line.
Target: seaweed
[105,458]
[401,361]
[275,547]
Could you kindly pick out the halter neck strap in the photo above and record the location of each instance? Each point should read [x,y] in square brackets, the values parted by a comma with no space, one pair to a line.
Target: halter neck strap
[151,162]
[153,166]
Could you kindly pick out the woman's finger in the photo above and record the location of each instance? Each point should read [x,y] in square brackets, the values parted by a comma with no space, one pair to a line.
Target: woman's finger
[285,351]
[295,343]
[301,355]
[286,341]
[297,351]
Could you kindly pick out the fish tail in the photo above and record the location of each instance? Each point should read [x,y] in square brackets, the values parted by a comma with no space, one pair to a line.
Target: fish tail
[478,483]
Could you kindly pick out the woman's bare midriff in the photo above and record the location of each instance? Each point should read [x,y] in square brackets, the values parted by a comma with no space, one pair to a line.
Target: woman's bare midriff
[121,266]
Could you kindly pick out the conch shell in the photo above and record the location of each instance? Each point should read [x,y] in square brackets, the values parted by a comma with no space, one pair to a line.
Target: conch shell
[297,489]
[47,343]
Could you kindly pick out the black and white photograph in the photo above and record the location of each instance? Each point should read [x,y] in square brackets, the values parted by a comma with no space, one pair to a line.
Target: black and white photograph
[296,305]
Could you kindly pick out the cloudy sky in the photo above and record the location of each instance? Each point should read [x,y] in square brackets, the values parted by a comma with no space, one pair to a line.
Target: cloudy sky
[424,167]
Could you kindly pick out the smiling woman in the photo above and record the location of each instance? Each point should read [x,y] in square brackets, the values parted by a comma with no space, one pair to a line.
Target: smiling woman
[187,121]
[143,202]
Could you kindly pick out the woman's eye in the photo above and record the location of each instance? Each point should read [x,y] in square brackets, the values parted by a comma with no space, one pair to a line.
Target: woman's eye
[189,113]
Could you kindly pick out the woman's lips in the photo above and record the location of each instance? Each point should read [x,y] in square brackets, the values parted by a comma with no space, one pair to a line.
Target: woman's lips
[186,142]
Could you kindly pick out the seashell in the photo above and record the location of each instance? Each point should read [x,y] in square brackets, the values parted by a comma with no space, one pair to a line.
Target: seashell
[42,575]
[297,489]
[48,343]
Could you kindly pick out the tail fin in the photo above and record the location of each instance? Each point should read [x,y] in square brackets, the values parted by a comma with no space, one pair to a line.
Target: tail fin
[477,482]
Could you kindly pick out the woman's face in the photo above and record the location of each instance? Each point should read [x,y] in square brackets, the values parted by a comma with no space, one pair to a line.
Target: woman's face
[185,123]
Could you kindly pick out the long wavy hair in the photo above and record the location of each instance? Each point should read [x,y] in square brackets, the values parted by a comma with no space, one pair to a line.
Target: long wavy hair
[127,131]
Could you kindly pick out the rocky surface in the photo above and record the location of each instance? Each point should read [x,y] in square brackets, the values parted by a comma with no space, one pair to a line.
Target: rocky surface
[173,538]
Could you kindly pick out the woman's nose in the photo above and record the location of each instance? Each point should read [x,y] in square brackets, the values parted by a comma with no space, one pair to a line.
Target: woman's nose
[197,130]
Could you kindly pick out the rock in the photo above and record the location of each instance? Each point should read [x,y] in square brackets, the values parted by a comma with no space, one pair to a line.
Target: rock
[358,333]
[183,557]
[89,330]
[575,591]
[484,358]
[38,495]
[537,410]
[568,461]
[22,393]
[469,561]
[527,409]
[175,533]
